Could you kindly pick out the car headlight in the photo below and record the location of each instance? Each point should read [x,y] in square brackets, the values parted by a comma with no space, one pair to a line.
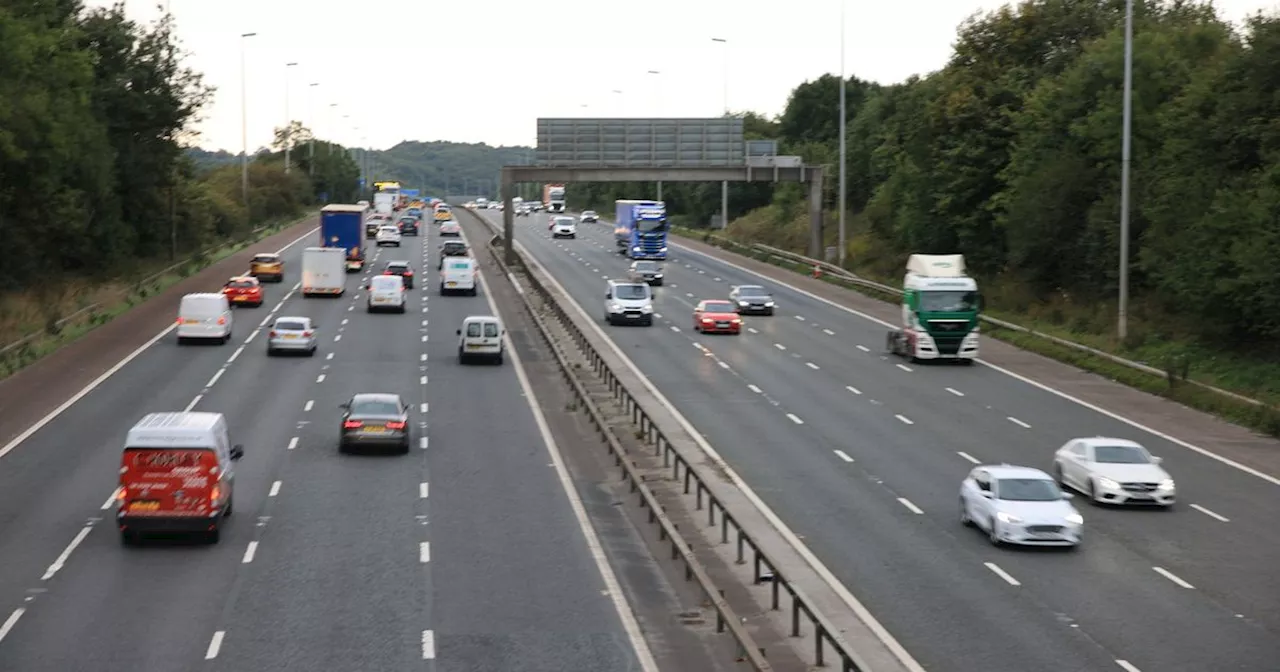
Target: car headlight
[1074,519]
[636,248]
[743,303]
[1008,518]
[1166,484]
[737,320]
[614,307]
[1108,484]
[646,309]
[768,304]
[657,275]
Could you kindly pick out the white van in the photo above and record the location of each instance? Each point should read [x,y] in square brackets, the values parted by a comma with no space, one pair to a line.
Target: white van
[628,303]
[458,275]
[481,336]
[204,316]
[386,292]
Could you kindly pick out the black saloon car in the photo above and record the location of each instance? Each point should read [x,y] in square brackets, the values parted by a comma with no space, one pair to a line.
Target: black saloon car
[374,420]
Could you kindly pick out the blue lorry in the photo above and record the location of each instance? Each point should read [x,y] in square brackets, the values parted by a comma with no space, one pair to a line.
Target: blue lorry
[640,229]
[343,226]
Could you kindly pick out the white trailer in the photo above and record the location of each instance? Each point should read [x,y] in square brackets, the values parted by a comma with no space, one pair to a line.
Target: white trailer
[324,271]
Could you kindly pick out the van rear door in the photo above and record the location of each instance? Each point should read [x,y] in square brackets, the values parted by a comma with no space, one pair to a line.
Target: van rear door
[170,482]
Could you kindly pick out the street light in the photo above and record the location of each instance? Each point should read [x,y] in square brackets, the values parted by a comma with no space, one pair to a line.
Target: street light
[288,124]
[329,123]
[622,107]
[843,163]
[311,142]
[725,42]
[659,96]
[244,127]
[1125,155]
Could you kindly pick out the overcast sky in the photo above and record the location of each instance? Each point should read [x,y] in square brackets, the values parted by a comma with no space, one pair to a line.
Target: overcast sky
[485,70]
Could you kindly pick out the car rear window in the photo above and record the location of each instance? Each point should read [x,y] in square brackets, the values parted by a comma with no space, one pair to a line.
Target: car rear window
[375,408]
[459,265]
[386,282]
[266,259]
[490,330]
[242,284]
[719,307]
[397,267]
[291,325]
[473,329]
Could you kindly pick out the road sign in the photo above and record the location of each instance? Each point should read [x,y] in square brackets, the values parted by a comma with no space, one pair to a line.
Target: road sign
[640,143]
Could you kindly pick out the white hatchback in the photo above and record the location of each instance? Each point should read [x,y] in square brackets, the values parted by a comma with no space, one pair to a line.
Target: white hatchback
[386,292]
[388,235]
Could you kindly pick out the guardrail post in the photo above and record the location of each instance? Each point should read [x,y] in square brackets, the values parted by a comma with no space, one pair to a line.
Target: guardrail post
[711,510]
[697,496]
[795,616]
[742,550]
[819,635]
[724,527]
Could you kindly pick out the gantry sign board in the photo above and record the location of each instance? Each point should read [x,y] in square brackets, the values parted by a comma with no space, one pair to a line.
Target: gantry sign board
[640,143]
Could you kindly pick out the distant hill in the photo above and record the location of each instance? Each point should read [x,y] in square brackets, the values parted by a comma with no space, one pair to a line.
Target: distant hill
[461,168]
[206,160]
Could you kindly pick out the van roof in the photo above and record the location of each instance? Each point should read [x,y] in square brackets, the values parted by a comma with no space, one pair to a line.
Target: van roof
[481,318]
[204,296]
[174,429]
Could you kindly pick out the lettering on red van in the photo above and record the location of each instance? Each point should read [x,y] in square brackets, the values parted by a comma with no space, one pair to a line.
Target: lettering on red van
[169,482]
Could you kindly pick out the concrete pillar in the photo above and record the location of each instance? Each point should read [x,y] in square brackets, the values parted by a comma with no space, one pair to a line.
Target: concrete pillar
[659,190]
[815,212]
[508,219]
[724,205]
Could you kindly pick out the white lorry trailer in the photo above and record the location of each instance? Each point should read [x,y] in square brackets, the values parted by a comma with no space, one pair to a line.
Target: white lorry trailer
[324,271]
[940,309]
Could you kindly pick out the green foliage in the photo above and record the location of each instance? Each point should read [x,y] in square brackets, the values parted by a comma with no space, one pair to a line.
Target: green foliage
[464,169]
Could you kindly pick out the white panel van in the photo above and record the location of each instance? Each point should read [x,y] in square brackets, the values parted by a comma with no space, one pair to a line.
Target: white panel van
[458,275]
[204,316]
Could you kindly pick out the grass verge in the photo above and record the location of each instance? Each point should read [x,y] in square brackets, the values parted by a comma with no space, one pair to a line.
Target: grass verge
[1233,372]
[45,325]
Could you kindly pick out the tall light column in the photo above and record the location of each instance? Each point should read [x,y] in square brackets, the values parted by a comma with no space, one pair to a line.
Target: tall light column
[655,73]
[1122,329]
[311,141]
[244,126]
[288,124]
[328,122]
[724,186]
[843,162]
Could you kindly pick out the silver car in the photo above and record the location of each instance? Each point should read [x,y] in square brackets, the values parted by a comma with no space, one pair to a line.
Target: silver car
[292,334]
[1019,505]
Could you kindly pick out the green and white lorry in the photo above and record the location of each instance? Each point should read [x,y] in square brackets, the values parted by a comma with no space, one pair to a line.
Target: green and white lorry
[940,308]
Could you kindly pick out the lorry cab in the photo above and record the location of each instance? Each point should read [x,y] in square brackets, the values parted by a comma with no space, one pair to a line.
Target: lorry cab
[205,315]
[458,275]
[177,474]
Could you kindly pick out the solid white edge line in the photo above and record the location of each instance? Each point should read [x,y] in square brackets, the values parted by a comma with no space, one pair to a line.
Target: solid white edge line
[1127,666]
[614,589]
[61,561]
[1002,574]
[26,434]
[794,418]
[428,645]
[1211,514]
[215,645]
[249,552]
[800,547]
[10,622]
[968,457]
[1173,577]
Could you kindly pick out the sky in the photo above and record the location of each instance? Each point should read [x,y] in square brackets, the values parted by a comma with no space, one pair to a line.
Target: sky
[485,70]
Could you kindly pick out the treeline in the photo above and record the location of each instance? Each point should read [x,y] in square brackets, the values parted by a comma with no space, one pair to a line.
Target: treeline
[440,167]
[1011,154]
[94,179]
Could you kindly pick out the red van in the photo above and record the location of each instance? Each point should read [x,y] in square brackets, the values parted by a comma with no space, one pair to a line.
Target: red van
[176,475]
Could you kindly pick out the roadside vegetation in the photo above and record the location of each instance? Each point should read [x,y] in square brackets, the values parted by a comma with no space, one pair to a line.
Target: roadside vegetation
[101,202]
[1010,154]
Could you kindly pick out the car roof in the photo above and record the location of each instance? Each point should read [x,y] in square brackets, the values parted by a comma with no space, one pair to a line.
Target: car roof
[243,278]
[481,318]
[748,286]
[626,282]
[375,396]
[397,263]
[273,255]
[1095,441]
[999,471]
[293,318]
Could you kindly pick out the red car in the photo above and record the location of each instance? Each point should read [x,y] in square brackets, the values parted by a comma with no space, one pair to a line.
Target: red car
[716,317]
[243,291]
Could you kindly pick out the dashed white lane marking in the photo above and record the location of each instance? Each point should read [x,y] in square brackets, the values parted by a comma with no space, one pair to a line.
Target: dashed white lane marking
[956,392]
[215,645]
[755,389]
[422,357]
[752,330]
[967,456]
[828,332]
[249,552]
[329,356]
[424,338]
[800,317]
[111,500]
[275,489]
[337,338]
[253,334]
[1173,577]
[1018,422]
[235,354]
[309,404]
[422,443]
[428,645]
[853,389]
[345,321]
[716,279]
[350,308]
[194,402]
[843,455]
[779,346]
[905,420]
[863,348]
[214,380]
[66,553]
[795,419]
[424,323]
[910,506]
[422,490]
[723,365]
[1126,666]
[811,365]
[424,552]
[904,367]
[675,328]
[293,443]
[422,407]
[1211,514]
[657,316]
[320,378]
[10,622]
[689,294]
[422,380]
[1002,574]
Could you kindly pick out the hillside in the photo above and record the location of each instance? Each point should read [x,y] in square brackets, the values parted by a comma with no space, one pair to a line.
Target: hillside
[455,167]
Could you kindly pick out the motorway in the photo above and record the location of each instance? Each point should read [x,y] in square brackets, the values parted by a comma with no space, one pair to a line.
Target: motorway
[862,455]
[464,555]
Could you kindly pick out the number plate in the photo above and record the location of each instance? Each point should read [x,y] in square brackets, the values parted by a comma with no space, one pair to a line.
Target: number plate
[473,346]
[144,506]
[450,284]
[190,321]
[290,335]
[375,429]
[241,297]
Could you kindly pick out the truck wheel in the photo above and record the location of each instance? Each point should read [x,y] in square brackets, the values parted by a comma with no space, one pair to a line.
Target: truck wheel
[891,342]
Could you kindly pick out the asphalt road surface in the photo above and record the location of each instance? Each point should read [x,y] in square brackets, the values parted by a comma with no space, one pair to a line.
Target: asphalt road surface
[862,455]
[463,555]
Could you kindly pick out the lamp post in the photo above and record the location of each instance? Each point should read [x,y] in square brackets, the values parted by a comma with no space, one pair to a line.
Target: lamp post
[1126,150]
[724,186]
[656,73]
[311,141]
[329,123]
[843,149]
[288,125]
[622,107]
[244,126]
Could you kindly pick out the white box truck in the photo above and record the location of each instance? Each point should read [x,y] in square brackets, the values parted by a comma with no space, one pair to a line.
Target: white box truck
[324,271]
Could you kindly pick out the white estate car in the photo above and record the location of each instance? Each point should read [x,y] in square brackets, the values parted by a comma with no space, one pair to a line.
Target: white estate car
[1019,505]
[564,226]
[1113,471]
[388,235]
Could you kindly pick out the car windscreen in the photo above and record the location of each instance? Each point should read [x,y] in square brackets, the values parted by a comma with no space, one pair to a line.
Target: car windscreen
[719,307]
[1120,455]
[1027,490]
[290,325]
[375,408]
[631,292]
[752,291]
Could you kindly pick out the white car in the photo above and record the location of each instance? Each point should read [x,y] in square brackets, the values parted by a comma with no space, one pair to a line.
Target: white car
[386,292]
[1113,471]
[564,226]
[480,337]
[589,216]
[388,235]
[1019,505]
[451,228]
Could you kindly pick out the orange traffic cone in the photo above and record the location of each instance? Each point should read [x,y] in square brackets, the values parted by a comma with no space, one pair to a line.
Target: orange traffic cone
[817,271]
